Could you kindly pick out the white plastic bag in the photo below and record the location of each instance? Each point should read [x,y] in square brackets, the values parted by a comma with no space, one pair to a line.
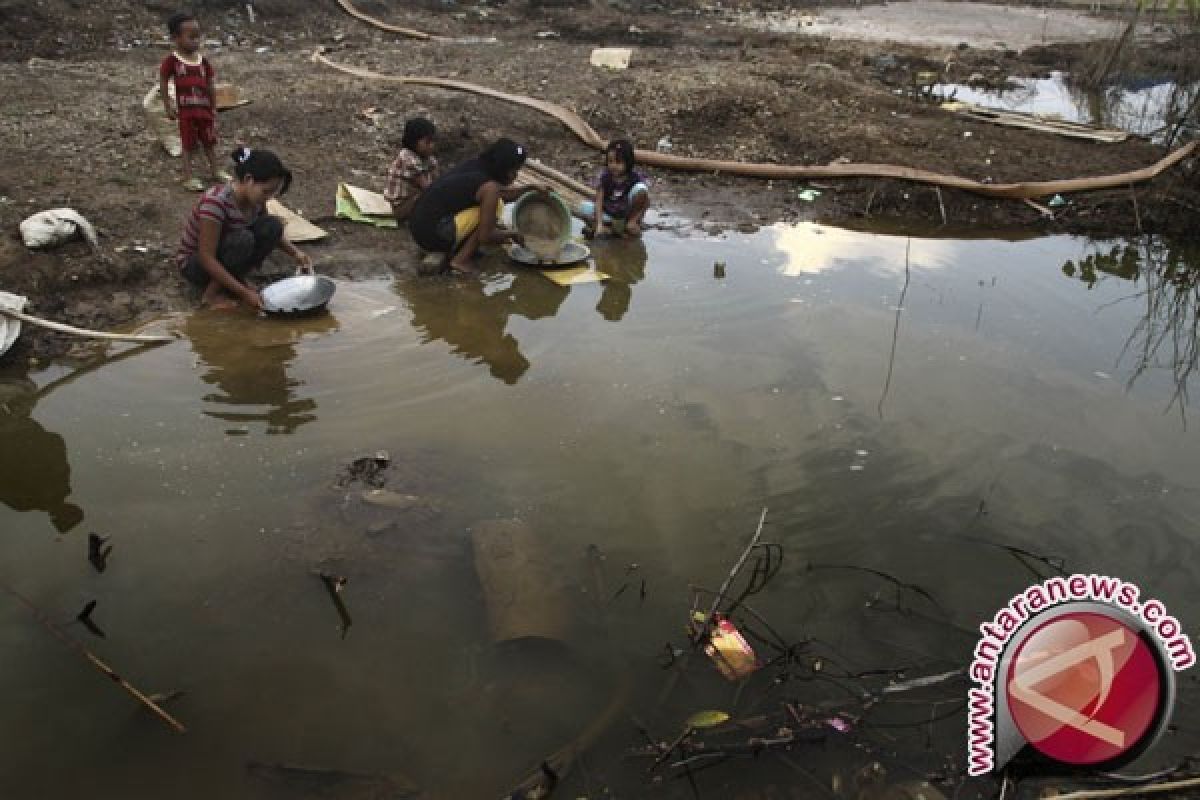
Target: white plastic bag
[55,226]
[165,129]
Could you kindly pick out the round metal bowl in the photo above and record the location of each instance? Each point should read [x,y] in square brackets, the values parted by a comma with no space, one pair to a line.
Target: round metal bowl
[300,294]
[571,253]
[545,221]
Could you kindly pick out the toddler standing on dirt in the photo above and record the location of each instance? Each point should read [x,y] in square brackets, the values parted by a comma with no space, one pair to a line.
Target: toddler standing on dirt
[622,194]
[195,96]
[414,169]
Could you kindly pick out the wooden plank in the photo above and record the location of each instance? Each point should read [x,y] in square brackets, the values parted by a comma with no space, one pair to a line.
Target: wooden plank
[565,187]
[1018,119]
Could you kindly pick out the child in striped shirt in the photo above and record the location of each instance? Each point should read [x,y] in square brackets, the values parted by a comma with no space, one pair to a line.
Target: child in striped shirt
[414,169]
[229,232]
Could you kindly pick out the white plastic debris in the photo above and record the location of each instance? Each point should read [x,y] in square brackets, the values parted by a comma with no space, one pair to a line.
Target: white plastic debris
[611,57]
[55,226]
[165,129]
[664,145]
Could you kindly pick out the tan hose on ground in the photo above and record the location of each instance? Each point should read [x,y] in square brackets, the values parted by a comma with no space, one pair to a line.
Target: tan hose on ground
[383,26]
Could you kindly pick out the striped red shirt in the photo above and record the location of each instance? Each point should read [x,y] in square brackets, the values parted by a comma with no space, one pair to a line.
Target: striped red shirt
[191,84]
[219,205]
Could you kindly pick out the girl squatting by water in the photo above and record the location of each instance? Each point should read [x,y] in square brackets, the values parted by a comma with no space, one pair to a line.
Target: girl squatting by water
[229,233]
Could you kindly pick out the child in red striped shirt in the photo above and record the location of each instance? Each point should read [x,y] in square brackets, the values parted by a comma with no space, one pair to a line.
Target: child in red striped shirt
[195,96]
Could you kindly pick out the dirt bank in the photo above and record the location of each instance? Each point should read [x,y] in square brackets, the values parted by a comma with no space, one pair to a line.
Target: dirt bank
[714,89]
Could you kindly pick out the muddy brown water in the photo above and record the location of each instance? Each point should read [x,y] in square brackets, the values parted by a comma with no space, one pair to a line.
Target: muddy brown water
[893,418]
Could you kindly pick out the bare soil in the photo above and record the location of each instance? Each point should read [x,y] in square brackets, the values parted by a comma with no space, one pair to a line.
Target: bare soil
[71,127]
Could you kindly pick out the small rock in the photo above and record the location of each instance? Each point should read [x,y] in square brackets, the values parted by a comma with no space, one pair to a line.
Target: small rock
[380,528]
[386,498]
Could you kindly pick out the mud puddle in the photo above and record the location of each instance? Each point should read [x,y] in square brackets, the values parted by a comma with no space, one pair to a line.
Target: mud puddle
[874,391]
[1146,108]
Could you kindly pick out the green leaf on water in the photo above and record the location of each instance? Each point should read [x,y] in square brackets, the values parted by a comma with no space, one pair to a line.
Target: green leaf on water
[706,719]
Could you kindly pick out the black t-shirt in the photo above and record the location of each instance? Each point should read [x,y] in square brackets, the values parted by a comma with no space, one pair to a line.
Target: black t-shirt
[453,192]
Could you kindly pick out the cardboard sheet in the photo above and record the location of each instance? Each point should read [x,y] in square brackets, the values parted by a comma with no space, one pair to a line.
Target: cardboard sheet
[295,227]
[575,275]
[363,205]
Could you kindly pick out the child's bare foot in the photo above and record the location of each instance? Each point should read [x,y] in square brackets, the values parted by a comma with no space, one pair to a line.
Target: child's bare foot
[462,269]
[216,298]
[452,264]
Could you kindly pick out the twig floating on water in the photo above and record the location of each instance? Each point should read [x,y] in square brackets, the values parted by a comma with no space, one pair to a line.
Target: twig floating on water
[85,618]
[1151,788]
[922,682]
[93,660]
[333,585]
[710,620]
[97,552]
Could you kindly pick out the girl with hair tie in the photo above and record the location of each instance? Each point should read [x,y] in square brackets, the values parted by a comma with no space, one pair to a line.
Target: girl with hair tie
[459,211]
[229,233]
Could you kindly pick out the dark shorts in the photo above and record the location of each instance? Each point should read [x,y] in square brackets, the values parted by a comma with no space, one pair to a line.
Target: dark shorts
[437,238]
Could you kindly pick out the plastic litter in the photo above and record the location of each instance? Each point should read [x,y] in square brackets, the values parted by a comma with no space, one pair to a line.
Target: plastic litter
[611,57]
[55,226]
[706,719]
[728,649]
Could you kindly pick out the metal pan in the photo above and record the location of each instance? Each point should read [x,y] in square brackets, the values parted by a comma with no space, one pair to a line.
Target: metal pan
[572,253]
[300,294]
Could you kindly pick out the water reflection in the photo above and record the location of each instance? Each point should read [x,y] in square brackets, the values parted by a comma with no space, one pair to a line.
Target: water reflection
[34,472]
[625,261]
[471,314]
[1168,333]
[1148,107]
[248,360]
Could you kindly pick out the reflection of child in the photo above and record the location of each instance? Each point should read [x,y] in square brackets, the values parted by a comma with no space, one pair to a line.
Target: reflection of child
[195,96]
[622,194]
[229,232]
[414,168]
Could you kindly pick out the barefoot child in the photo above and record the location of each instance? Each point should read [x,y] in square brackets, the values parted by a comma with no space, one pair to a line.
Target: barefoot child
[459,211]
[414,169]
[622,194]
[229,232]
[195,96]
